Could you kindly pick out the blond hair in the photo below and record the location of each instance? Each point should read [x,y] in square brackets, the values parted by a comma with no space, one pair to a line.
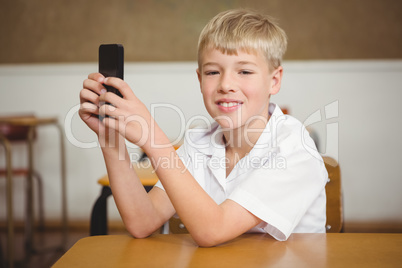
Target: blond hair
[247,30]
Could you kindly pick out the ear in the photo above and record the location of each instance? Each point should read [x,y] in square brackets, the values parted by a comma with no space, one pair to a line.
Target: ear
[276,80]
[199,76]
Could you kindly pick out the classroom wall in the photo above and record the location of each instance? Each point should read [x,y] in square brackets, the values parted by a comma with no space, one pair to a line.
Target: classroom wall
[358,103]
[53,31]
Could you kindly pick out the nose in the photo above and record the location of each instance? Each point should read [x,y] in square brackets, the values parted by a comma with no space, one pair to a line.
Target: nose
[227,84]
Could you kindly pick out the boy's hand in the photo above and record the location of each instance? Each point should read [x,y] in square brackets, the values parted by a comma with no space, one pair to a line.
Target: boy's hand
[127,115]
[89,99]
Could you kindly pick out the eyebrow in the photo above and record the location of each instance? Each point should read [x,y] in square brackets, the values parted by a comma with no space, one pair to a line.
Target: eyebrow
[246,63]
[210,64]
[239,63]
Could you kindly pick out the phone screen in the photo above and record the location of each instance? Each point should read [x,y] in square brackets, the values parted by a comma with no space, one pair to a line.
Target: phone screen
[111,63]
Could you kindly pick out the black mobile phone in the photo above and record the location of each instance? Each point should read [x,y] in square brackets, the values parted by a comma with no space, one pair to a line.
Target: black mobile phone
[111,63]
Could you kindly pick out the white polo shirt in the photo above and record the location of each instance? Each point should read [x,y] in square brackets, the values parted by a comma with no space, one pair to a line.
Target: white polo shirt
[281,181]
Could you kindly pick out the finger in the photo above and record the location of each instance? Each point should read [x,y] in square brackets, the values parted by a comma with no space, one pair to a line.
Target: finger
[120,85]
[96,77]
[94,86]
[110,98]
[108,110]
[89,108]
[89,96]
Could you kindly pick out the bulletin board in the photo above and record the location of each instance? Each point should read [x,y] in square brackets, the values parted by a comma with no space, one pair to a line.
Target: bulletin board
[52,31]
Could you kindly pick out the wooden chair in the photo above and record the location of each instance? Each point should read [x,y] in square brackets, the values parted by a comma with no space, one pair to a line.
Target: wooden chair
[22,128]
[333,191]
[334,202]
[10,135]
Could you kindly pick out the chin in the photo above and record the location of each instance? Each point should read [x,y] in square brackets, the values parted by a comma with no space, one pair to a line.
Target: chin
[228,123]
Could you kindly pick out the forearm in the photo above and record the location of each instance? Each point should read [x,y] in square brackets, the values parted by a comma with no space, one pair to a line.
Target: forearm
[134,205]
[123,117]
[198,211]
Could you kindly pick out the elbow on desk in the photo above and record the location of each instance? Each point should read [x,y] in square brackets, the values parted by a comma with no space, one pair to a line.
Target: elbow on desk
[206,244]
[207,240]
[201,241]
[203,238]
[141,228]
[209,235]
[139,232]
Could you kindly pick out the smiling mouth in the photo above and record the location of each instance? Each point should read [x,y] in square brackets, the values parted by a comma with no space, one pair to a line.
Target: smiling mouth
[228,104]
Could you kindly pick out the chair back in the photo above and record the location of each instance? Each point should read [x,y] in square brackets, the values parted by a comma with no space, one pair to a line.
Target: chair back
[15,132]
[333,191]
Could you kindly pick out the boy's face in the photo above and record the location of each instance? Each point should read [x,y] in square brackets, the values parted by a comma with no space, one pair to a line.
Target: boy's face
[236,88]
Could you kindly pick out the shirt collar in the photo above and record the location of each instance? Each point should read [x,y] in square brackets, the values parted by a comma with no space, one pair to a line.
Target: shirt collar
[210,141]
[265,142]
[206,141]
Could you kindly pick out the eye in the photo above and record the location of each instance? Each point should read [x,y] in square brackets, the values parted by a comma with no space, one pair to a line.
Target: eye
[211,72]
[245,72]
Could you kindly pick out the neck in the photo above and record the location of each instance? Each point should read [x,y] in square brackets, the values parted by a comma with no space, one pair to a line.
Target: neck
[241,140]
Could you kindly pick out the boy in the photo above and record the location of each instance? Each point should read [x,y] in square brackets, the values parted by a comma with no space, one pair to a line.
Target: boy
[249,171]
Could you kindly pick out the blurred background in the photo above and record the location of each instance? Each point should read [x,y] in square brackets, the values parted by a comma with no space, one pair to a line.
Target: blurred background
[342,78]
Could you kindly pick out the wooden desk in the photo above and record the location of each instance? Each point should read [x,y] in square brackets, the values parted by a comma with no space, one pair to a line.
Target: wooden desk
[249,250]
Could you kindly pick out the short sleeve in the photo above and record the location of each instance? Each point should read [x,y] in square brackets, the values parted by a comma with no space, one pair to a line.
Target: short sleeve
[283,190]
